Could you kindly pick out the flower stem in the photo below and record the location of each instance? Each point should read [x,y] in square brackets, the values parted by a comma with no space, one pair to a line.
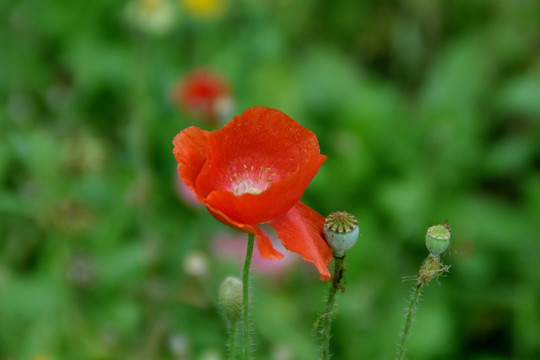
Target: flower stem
[245,284]
[408,323]
[432,267]
[328,315]
[232,340]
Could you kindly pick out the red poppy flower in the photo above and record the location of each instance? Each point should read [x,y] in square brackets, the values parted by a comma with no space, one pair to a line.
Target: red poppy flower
[254,171]
[203,94]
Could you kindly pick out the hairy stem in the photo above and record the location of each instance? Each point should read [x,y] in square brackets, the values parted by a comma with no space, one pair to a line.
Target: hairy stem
[245,284]
[432,267]
[408,323]
[232,340]
[328,315]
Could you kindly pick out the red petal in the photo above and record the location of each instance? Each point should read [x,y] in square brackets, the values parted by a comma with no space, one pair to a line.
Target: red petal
[264,244]
[190,147]
[260,137]
[279,198]
[301,231]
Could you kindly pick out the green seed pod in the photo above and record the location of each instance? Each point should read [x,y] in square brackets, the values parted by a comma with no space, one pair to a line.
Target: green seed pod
[438,239]
[230,298]
[341,232]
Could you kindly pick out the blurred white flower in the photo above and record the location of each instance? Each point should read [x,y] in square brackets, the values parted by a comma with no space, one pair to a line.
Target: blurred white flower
[153,16]
[196,264]
[179,346]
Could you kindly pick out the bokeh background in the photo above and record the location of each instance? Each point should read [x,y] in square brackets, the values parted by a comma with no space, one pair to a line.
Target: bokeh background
[427,110]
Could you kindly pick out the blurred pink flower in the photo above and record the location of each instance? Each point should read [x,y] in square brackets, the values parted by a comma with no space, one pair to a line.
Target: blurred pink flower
[233,247]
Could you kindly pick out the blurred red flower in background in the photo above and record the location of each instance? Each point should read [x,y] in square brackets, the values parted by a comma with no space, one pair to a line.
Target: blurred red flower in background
[254,171]
[205,95]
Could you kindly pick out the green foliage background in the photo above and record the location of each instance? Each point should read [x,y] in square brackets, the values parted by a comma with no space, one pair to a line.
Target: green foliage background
[426,109]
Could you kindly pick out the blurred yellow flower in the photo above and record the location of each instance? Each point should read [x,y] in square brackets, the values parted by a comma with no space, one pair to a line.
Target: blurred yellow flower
[204,9]
[41,357]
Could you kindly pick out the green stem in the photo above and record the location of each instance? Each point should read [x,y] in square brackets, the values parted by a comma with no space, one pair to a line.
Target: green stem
[432,267]
[330,305]
[232,340]
[408,323]
[245,285]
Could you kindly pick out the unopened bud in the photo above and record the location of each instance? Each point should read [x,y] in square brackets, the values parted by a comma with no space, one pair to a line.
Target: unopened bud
[341,232]
[230,298]
[438,239]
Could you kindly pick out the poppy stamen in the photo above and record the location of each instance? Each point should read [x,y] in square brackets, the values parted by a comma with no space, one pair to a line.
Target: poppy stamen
[250,181]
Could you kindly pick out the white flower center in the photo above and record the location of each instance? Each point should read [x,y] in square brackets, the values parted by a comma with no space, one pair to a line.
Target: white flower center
[251,181]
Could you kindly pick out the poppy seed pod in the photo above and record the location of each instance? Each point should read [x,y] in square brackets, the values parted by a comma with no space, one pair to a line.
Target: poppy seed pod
[438,239]
[341,232]
[230,298]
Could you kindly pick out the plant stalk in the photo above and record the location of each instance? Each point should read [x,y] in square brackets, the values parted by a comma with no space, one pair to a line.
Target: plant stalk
[232,340]
[432,267]
[245,304]
[328,315]
[408,323]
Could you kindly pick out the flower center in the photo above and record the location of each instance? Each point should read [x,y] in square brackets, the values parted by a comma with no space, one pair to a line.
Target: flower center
[251,180]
